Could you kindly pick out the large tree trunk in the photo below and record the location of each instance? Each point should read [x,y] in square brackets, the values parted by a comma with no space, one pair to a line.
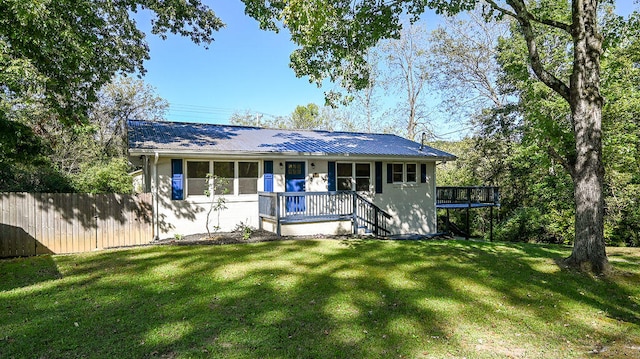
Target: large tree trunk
[588,178]
[586,110]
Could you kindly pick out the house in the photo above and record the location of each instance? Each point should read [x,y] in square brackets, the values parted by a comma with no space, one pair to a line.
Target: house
[292,182]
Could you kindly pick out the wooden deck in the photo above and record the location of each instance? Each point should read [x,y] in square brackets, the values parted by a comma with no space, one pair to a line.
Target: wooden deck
[467,197]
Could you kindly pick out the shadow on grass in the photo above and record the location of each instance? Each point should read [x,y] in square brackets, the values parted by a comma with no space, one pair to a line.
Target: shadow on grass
[306,299]
[23,272]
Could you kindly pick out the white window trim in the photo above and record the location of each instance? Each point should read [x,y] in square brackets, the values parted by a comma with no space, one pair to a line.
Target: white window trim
[371,168]
[236,179]
[185,165]
[352,178]
[393,180]
[406,172]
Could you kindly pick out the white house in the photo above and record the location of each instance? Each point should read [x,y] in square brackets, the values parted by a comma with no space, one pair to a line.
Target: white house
[288,181]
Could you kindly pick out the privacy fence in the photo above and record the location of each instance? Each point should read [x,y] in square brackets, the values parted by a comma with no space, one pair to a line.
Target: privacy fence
[38,223]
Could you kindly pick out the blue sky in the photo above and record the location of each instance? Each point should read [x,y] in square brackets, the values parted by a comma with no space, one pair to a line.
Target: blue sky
[245,68]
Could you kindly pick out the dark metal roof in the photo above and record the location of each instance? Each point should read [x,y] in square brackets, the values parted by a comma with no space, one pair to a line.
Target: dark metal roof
[201,137]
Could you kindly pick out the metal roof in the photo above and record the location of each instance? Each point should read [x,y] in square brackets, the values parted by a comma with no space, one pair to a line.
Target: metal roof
[185,137]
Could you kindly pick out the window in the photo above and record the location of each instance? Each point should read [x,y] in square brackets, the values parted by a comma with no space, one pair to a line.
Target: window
[350,174]
[225,174]
[412,172]
[397,172]
[234,178]
[197,177]
[247,177]
[363,176]
[343,174]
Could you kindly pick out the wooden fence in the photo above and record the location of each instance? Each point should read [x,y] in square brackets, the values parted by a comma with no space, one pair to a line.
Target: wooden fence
[38,223]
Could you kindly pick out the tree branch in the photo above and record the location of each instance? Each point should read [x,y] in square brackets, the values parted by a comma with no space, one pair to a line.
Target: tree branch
[549,22]
[524,18]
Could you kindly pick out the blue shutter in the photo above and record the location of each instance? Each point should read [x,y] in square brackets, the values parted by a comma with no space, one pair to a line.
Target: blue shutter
[423,173]
[332,176]
[268,176]
[378,177]
[389,173]
[177,182]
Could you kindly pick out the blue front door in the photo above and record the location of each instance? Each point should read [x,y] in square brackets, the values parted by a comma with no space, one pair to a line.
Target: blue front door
[295,182]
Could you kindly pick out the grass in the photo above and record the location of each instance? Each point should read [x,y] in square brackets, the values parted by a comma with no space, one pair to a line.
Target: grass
[319,299]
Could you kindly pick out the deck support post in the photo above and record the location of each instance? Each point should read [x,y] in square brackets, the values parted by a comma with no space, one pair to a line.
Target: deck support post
[466,235]
[448,219]
[490,224]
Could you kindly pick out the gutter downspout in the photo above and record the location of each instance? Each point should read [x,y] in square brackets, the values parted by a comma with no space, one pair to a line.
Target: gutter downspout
[154,195]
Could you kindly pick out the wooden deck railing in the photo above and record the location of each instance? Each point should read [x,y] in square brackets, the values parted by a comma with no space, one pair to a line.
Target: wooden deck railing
[468,195]
[308,207]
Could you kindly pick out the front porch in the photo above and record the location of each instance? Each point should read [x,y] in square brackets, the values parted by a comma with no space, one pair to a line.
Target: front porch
[289,208]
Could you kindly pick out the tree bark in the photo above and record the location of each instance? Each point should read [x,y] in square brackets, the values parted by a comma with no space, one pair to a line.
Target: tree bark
[586,110]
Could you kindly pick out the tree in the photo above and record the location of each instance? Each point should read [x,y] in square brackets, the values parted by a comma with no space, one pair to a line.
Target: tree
[366,101]
[334,36]
[69,49]
[408,73]
[463,52]
[308,118]
[123,99]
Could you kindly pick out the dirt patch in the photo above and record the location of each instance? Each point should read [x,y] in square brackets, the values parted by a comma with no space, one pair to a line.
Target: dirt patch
[220,238]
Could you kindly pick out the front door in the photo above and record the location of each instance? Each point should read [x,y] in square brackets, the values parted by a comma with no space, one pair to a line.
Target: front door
[295,182]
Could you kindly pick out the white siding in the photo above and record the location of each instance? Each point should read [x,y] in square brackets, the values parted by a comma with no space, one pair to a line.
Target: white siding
[412,205]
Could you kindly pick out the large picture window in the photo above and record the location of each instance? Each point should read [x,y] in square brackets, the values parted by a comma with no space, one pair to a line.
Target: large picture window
[197,177]
[234,178]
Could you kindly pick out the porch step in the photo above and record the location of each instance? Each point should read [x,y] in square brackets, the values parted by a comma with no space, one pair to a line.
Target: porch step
[364,231]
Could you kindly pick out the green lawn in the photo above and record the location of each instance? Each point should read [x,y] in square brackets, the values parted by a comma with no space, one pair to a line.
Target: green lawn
[318,299]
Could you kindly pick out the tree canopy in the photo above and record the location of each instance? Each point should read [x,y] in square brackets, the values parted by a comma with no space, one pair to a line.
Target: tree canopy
[66,50]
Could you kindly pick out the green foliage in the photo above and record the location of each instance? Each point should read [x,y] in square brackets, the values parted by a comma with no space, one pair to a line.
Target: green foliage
[44,155]
[307,118]
[24,165]
[109,177]
[334,36]
[245,230]
[73,48]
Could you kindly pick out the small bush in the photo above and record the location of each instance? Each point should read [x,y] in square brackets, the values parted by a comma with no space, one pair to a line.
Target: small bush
[245,230]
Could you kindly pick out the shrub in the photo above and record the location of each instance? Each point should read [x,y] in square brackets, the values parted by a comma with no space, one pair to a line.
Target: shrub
[110,177]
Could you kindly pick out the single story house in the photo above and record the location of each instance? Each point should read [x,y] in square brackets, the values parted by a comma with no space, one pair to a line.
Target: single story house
[293,182]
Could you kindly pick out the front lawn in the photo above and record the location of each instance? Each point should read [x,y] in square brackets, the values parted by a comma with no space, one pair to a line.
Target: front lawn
[319,299]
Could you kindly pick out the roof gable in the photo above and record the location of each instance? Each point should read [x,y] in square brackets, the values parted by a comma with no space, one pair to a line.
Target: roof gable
[199,137]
